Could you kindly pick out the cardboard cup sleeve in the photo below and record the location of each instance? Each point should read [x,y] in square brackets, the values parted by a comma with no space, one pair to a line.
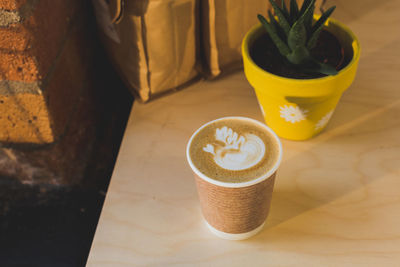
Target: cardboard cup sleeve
[235,210]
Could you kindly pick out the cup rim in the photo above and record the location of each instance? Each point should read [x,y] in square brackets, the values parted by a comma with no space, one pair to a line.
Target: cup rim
[242,184]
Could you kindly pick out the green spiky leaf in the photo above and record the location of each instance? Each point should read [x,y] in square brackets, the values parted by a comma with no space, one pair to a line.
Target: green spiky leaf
[315,66]
[273,21]
[294,11]
[297,35]
[308,16]
[324,68]
[283,48]
[299,56]
[304,6]
[327,69]
[282,19]
[324,17]
[285,11]
[278,28]
[294,34]
[318,26]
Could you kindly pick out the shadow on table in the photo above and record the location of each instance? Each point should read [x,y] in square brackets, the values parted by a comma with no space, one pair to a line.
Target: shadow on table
[350,125]
[287,204]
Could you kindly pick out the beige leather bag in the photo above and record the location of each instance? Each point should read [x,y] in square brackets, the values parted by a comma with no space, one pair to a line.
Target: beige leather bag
[224,24]
[152,43]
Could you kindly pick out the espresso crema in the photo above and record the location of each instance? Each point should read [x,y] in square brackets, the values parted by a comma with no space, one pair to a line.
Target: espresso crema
[234,150]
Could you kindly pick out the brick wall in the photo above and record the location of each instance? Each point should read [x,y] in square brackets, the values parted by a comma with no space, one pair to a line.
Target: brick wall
[50,109]
[36,36]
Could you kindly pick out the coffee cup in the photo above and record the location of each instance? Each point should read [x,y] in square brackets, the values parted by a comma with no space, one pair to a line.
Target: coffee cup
[234,161]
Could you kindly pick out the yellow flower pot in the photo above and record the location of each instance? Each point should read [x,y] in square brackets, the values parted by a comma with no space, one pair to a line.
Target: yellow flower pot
[298,109]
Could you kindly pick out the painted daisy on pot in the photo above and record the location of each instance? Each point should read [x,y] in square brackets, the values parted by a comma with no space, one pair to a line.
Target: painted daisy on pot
[293,114]
[324,120]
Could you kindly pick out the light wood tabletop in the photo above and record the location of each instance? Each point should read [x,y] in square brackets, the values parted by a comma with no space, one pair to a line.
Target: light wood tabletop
[336,200]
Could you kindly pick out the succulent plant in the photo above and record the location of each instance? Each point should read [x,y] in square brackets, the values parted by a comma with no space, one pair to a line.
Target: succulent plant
[295,33]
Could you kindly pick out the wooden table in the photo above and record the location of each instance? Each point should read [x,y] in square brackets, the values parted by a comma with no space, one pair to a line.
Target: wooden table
[337,197]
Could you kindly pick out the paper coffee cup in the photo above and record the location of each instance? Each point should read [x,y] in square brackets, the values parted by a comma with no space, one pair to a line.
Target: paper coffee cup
[236,210]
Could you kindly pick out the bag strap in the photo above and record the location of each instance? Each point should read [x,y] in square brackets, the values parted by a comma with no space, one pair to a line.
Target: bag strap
[116,8]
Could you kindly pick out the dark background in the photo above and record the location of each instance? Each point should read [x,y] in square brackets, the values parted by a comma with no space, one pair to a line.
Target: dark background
[54,225]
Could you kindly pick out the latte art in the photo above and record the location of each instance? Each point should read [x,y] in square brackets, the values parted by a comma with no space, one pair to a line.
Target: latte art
[234,152]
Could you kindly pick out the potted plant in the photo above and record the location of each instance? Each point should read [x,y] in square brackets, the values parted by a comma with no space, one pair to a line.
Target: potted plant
[299,65]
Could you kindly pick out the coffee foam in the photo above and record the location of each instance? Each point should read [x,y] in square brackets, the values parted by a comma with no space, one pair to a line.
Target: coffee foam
[234,150]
